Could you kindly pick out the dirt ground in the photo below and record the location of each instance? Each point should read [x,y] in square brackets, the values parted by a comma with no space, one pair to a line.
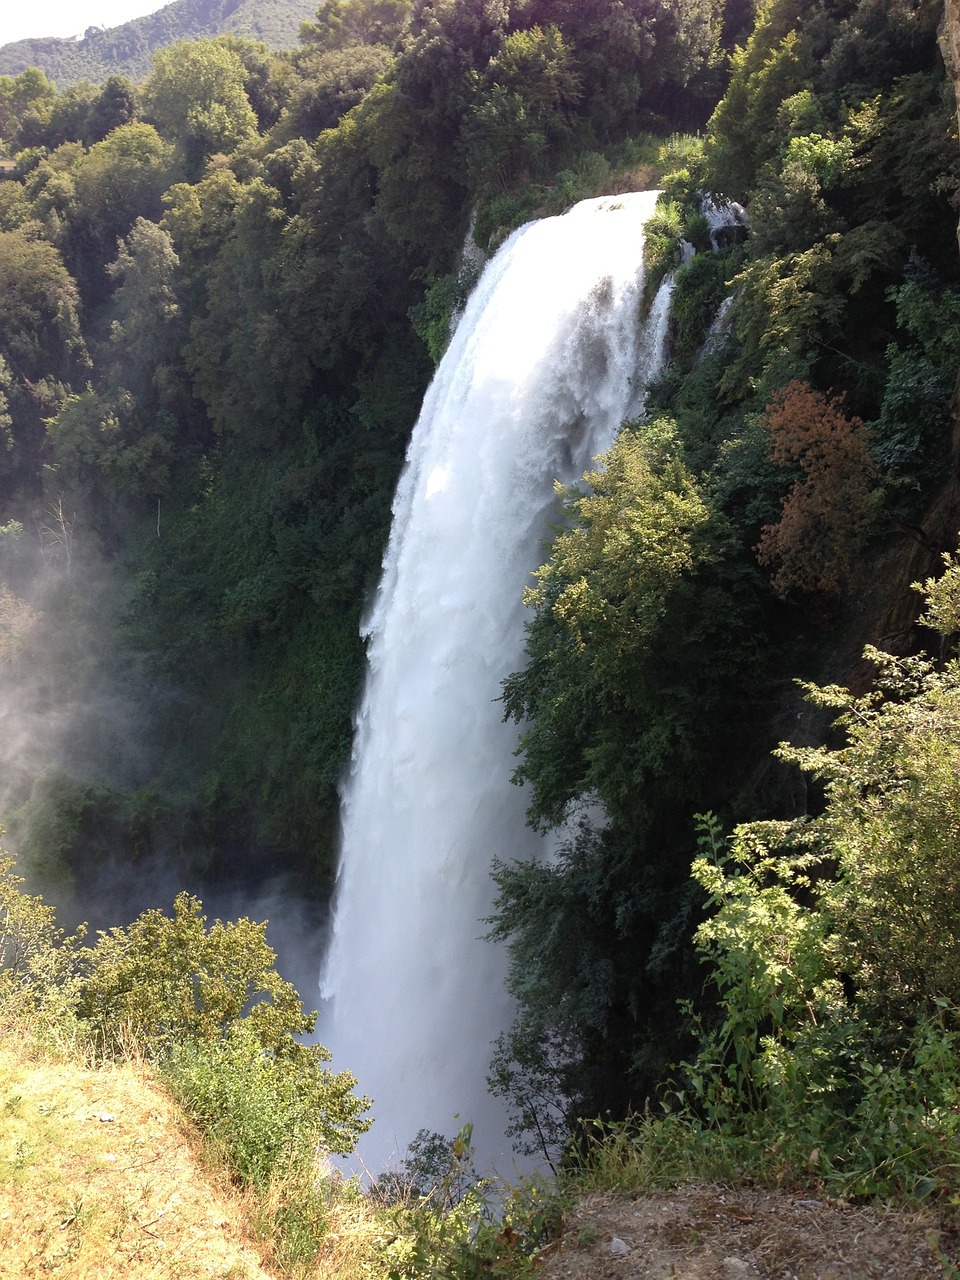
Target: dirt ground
[708,1232]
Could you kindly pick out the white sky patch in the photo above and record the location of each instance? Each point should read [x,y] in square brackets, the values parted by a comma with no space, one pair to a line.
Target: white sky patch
[68,17]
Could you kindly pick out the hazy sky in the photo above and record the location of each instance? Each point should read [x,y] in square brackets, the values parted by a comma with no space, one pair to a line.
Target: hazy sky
[21,18]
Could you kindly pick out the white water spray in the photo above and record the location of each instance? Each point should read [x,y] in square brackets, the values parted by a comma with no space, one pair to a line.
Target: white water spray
[547,361]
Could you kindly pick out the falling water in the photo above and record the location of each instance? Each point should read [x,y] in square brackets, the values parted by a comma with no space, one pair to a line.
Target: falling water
[546,362]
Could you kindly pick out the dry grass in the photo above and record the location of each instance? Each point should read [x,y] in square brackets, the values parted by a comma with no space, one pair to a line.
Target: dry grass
[100,1179]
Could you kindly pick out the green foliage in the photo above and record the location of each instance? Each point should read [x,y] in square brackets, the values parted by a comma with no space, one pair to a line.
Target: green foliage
[783,308]
[661,243]
[434,1167]
[79,114]
[29,91]
[118,181]
[650,57]
[914,421]
[767,954]
[767,70]
[39,324]
[564,953]
[270,1113]
[197,97]
[700,289]
[832,942]
[35,957]
[449,1223]
[826,159]
[898,1138]
[334,82]
[445,298]
[892,813]
[340,24]
[616,706]
[165,979]
[520,118]
[942,597]
[42,343]
[187,998]
[607,709]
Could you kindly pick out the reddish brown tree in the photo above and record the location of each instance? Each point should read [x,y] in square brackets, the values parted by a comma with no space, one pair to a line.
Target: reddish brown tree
[827,512]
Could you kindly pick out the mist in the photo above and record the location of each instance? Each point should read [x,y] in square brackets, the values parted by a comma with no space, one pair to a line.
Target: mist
[102,817]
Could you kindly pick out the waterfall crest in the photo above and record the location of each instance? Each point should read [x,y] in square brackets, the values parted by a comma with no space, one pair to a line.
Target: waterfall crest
[547,361]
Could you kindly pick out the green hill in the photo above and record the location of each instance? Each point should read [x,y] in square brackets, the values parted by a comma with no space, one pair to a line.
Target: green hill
[128,49]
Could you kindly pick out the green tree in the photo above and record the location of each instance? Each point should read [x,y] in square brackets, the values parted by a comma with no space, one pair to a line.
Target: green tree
[117,103]
[42,345]
[604,702]
[50,124]
[769,69]
[270,1114]
[146,331]
[526,89]
[39,321]
[197,98]
[119,180]
[35,957]
[911,433]
[648,54]
[334,81]
[341,23]
[639,641]
[833,938]
[29,91]
[164,979]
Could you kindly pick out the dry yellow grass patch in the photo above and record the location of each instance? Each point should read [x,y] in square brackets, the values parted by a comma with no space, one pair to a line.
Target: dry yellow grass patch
[99,1180]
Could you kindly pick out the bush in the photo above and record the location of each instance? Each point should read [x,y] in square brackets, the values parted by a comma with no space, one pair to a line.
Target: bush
[833,943]
[165,979]
[661,244]
[269,1113]
[36,982]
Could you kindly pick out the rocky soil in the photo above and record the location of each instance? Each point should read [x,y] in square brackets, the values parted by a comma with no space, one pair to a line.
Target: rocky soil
[710,1232]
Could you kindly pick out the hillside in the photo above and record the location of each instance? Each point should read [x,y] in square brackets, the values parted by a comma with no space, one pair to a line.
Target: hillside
[99,1176]
[128,49]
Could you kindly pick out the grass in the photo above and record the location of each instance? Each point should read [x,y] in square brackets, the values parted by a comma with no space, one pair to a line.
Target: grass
[100,1179]
[103,1177]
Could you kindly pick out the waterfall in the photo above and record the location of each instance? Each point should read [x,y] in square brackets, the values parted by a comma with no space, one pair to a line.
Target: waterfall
[547,360]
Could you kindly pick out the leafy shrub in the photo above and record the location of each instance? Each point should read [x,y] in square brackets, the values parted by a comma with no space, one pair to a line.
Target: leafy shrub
[911,432]
[165,979]
[832,942]
[35,958]
[447,295]
[269,1112]
[661,243]
[450,1223]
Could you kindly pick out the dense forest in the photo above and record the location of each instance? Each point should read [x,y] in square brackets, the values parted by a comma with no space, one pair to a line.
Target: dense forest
[222,293]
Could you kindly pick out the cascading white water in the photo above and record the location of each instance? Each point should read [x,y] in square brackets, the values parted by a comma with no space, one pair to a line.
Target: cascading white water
[547,361]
